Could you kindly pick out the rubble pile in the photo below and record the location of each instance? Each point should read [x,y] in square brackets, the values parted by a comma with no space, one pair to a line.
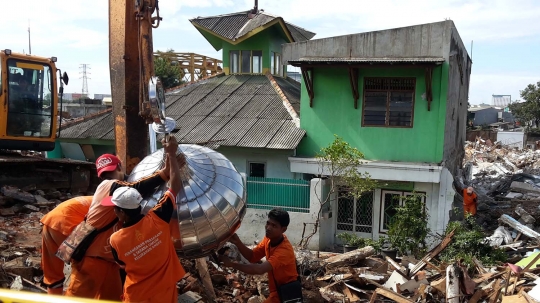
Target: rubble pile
[504,178]
[20,239]
[363,275]
[493,164]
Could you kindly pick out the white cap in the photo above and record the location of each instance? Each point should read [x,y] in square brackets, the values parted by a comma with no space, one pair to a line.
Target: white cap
[124,197]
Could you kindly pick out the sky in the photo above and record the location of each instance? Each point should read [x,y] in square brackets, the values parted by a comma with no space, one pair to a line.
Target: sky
[505,33]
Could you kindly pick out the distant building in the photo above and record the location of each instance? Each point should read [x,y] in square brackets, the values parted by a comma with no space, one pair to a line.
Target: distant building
[480,115]
[501,100]
[101,96]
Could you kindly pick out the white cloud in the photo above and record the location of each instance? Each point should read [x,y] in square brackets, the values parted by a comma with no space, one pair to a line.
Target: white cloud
[475,19]
[76,31]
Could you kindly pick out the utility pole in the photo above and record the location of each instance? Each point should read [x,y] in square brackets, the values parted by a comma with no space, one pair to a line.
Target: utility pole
[29,43]
[84,71]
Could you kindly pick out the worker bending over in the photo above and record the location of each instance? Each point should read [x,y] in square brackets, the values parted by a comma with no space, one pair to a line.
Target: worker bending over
[143,247]
[97,275]
[57,226]
[469,201]
[280,261]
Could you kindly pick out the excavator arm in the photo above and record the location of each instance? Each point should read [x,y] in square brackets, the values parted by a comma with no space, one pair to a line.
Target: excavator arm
[132,67]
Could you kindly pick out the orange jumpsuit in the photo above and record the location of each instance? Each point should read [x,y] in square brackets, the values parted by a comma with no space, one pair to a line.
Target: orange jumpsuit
[145,250]
[283,261]
[469,203]
[57,225]
[97,275]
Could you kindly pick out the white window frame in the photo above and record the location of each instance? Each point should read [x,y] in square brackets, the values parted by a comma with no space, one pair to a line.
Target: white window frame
[382,230]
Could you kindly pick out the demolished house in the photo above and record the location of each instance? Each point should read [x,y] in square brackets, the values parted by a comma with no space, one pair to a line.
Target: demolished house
[400,97]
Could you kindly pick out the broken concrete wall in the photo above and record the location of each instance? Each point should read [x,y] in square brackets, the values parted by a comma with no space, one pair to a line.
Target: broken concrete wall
[459,71]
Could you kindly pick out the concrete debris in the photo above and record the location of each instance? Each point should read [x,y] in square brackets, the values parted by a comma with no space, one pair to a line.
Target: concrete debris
[506,180]
[17,284]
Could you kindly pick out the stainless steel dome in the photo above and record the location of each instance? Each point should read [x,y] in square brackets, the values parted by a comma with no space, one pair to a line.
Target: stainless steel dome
[211,206]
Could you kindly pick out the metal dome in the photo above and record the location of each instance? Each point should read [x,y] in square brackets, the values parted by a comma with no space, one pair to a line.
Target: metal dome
[211,205]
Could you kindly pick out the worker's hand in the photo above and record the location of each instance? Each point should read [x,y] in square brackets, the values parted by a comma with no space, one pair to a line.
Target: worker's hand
[181,160]
[171,146]
[225,260]
[234,239]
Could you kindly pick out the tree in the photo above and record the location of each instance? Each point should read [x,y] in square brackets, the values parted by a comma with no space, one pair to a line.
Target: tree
[165,68]
[529,110]
[339,162]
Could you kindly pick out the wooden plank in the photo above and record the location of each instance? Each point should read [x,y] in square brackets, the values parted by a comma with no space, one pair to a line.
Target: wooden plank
[494,296]
[202,267]
[392,295]
[398,268]
[514,299]
[433,253]
[420,291]
[486,277]
[350,257]
[479,294]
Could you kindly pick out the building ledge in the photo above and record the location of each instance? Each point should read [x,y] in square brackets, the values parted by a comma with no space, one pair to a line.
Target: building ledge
[379,170]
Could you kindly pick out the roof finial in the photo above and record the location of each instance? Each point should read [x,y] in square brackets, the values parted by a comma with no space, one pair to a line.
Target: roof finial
[256,8]
[252,13]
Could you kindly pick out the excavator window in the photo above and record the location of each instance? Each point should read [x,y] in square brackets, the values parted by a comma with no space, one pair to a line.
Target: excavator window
[30,105]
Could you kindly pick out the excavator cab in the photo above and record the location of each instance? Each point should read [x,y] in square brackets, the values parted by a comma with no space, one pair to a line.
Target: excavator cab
[29,94]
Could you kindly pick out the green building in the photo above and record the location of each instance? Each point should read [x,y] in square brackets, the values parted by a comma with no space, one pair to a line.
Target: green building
[400,96]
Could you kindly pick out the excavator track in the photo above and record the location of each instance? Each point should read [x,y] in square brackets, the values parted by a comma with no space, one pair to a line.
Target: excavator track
[35,172]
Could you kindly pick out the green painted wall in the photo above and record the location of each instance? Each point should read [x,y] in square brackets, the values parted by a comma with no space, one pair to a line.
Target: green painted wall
[333,112]
[268,40]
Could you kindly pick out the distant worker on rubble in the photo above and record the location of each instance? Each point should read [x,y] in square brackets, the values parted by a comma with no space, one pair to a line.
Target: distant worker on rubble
[57,225]
[470,200]
[144,247]
[280,261]
[97,275]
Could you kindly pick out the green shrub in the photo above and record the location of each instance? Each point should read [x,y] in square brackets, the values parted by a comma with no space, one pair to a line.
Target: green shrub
[468,243]
[408,228]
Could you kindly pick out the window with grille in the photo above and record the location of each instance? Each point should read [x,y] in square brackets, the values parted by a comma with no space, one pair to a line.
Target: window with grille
[355,215]
[388,102]
[390,200]
[245,62]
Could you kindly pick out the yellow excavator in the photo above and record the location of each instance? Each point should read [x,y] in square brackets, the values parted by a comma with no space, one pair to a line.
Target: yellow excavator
[30,97]
[31,89]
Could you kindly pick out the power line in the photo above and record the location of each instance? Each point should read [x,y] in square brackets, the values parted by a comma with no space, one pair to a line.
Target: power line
[85,73]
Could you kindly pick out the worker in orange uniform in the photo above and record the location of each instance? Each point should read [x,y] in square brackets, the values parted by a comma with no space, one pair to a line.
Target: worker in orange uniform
[469,201]
[57,226]
[143,247]
[97,275]
[280,261]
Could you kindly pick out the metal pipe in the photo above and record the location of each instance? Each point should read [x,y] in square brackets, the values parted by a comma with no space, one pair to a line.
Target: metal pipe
[153,139]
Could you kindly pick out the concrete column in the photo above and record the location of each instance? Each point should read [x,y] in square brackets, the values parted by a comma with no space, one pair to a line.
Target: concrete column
[324,237]
[446,199]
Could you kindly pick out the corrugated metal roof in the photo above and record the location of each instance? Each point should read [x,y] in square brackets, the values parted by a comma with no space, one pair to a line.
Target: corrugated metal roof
[235,110]
[258,21]
[291,89]
[280,140]
[368,60]
[84,129]
[261,133]
[236,25]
